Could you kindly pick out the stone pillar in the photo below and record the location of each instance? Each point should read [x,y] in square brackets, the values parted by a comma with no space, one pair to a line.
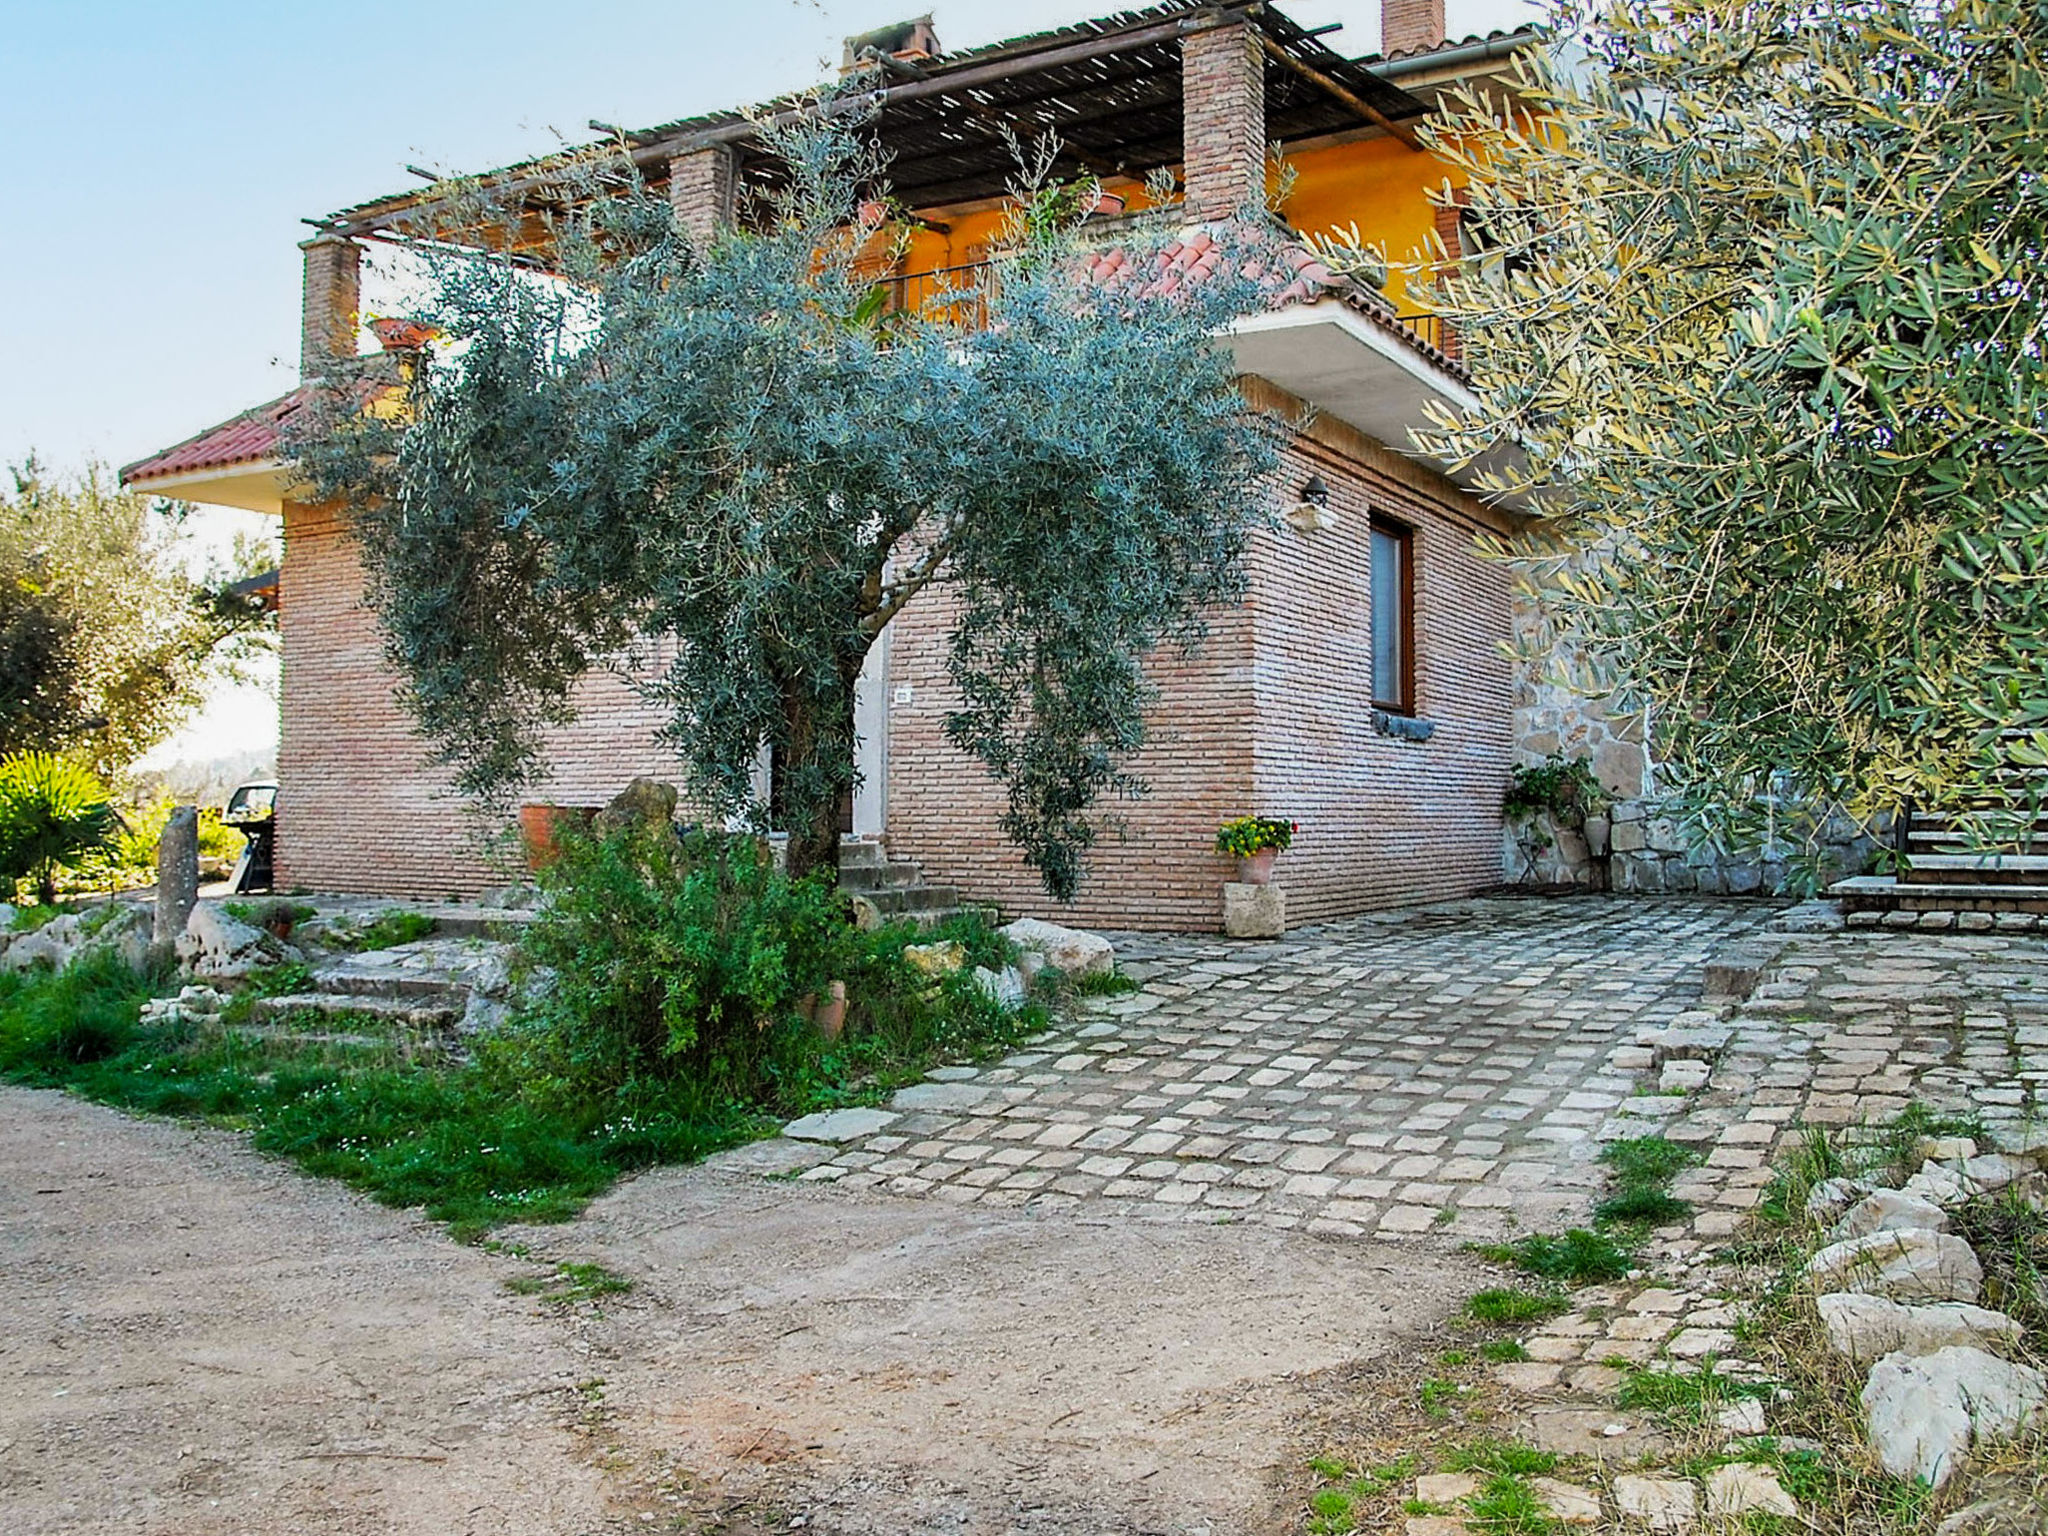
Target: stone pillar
[333,297]
[1411,26]
[703,189]
[1223,120]
[177,877]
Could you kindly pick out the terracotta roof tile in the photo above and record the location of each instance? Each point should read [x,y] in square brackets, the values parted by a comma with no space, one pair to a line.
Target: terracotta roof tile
[248,438]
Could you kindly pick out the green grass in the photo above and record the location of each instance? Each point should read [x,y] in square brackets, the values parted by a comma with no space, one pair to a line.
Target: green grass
[1642,1168]
[1579,1257]
[571,1283]
[1334,1509]
[392,928]
[1684,1399]
[1500,1456]
[1507,1506]
[1437,1394]
[1504,1351]
[1102,984]
[1507,1305]
[466,1144]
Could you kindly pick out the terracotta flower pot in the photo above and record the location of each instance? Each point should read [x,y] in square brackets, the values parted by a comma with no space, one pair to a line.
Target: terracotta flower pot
[1108,205]
[1257,868]
[540,829]
[831,1015]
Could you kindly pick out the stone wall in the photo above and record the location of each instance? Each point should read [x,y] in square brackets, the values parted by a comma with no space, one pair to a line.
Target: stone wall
[1561,710]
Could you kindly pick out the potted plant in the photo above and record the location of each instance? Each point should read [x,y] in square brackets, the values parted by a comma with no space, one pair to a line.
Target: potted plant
[1255,842]
[541,828]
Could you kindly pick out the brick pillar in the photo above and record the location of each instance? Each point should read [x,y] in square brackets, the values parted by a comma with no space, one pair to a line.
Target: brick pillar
[1411,26]
[334,284]
[1450,220]
[1223,120]
[703,188]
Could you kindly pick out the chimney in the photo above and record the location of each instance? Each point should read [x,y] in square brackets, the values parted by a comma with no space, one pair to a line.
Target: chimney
[1223,120]
[906,40]
[333,293]
[1411,26]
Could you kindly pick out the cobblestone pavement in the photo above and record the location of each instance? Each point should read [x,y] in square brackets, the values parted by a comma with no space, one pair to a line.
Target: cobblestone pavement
[1445,1069]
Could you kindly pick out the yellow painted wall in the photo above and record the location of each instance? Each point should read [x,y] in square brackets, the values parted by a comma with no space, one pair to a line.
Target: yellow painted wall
[1380,184]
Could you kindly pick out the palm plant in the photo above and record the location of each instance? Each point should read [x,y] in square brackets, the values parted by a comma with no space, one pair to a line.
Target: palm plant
[53,812]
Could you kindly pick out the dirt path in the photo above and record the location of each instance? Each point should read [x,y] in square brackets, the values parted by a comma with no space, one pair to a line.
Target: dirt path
[194,1339]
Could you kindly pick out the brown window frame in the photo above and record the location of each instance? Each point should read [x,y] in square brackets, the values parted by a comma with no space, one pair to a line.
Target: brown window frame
[1404,535]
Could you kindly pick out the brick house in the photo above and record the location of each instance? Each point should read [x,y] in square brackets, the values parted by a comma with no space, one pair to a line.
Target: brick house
[1362,689]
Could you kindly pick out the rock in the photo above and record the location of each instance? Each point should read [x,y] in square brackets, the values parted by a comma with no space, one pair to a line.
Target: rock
[1828,1200]
[1735,971]
[867,917]
[2004,1504]
[8,913]
[1075,952]
[1661,1503]
[930,1095]
[177,876]
[1906,1266]
[1810,917]
[1944,1149]
[1446,1487]
[218,947]
[1254,911]
[2023,1141]
[1567,1503]
[1867,1328]
[941,959]
[1938,1185]
[1989,1172]
[839,1125]
[1924,1412]
[642,803]
[1683,1076]
[483,1015]
[1742,1418]
[1889,1210]
[1434,1525]
[1745,1486]
[1005,988]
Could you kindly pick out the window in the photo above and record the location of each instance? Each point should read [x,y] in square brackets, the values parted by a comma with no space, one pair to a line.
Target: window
[1393,618]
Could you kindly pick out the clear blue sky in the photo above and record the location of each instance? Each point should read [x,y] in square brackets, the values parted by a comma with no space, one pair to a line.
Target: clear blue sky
[161,153]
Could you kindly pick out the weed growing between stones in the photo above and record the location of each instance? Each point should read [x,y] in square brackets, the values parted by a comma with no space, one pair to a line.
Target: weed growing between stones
[1579,1257]
[1507,1306]
[571,1283]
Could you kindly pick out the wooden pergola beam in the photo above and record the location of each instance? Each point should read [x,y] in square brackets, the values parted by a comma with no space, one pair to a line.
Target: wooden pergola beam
[1338,91]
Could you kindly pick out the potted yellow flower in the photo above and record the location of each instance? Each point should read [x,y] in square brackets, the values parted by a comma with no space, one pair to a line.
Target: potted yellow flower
[1255,842]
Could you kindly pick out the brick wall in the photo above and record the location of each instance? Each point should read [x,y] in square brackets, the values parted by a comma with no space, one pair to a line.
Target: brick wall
[1385,821]
[1273,717]
[1223,120]
[358,809]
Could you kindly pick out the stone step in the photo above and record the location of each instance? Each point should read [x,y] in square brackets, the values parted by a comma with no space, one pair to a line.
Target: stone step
[366,985]
[408,1012]
[875,877]
[2009,869]
[904,900]
[1886,893]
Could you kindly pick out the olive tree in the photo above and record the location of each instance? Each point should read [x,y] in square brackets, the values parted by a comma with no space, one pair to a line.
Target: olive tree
[1757,296]
[735,458]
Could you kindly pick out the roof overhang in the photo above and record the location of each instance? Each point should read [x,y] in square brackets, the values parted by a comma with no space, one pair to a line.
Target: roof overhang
[1362,371]
[258,486]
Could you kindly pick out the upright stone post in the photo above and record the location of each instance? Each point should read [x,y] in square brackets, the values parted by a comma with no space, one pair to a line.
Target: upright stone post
[177,877]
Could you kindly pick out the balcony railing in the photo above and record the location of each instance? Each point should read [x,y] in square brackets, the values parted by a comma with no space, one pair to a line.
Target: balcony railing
[961,294]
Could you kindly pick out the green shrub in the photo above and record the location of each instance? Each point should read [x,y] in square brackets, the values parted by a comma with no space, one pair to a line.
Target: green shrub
[52,813]
[394,927]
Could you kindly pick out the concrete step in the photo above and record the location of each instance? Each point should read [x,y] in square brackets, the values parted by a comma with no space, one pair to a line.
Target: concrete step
[903,900]
[393,986]
[876,877]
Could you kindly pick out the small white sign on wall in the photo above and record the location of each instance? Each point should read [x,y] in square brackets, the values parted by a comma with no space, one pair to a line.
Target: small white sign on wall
[903,693]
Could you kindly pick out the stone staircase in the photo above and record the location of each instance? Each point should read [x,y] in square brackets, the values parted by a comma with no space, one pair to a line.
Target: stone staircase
[424,996]
[1944,869]
[896,887]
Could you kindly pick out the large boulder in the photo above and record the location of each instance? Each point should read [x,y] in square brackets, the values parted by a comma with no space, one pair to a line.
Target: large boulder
[642,803]
[118,928]
[1075,952]
[1828,1200]
[1867,1328]
[1906,1266]
[217,947]
[1924,1412]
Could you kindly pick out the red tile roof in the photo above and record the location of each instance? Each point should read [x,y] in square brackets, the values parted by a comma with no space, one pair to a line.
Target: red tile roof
[248,438]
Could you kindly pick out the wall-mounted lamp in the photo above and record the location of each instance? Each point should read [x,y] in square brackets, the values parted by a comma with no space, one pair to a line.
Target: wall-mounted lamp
[1311,512]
